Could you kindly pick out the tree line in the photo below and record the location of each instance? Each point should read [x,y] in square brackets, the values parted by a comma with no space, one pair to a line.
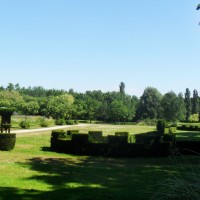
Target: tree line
[116,106]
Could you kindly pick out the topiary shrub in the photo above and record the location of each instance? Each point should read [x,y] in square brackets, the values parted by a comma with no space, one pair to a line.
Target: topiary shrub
[161,126]
[7,141]
[25,124]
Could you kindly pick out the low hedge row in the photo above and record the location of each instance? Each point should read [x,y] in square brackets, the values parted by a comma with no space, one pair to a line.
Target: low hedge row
[111,150]
[118,145]
[7,141]
[188,128]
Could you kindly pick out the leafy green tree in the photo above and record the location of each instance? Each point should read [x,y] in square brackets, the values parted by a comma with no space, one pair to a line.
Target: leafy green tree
[150,104]
[193,118]
[170,106]
[10,99]
[92,106]
[118,111]
[60,106]
[30,107]
[188,104]
[182,108]
[10,87]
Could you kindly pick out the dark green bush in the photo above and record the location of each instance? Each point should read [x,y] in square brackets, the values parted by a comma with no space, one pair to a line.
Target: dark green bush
[7,141]
[25,124]
[44,123]
[60,122]
[112,139]
[76,122]
[70,122]
[161,126]
[147,138]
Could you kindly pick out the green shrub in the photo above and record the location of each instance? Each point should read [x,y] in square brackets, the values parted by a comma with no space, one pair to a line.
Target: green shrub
[161,126]
[7,141]
[44,123]
[70,122]
[76,122]
[60,122]
[25,124]
[194,118]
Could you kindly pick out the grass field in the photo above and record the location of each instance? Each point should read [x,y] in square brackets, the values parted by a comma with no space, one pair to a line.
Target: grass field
[32,171]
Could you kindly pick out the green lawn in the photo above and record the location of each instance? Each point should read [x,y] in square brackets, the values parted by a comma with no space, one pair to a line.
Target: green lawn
[32,171]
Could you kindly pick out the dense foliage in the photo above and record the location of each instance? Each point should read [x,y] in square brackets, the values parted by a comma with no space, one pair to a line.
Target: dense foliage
[116,106]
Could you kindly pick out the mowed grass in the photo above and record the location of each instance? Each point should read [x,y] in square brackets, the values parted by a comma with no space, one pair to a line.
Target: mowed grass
[32,171]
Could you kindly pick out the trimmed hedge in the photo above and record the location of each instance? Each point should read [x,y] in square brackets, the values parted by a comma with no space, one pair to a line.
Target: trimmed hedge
[70,132]
[122,134]
[58,134]
[113,145]
[161,126]
[96,137]
[80,139]
[188,128]
[7,141]
[188,147]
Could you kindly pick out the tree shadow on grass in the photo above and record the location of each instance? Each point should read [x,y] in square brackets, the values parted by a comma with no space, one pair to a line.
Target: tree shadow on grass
[91,178]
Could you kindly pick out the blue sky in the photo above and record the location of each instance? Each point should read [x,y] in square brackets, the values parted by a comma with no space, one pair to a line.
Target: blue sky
[96,44]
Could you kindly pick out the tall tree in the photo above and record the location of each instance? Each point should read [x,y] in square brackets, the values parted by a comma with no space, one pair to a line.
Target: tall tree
[149,106]
[195,102]
[188,104]
[182,108]
[170,106]
[118,111]
[122,88]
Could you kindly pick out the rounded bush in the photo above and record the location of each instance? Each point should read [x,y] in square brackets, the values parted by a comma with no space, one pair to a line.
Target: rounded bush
[7,141]
[60,122]
[25,124]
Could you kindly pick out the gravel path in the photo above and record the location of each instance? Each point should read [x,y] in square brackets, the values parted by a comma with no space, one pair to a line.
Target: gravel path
[24,131]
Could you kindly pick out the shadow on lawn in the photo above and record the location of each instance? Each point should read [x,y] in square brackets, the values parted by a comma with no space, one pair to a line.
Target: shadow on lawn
[92,178]
[189,136]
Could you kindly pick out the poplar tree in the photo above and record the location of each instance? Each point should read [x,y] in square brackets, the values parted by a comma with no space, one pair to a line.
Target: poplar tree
[188,104]
[122,88]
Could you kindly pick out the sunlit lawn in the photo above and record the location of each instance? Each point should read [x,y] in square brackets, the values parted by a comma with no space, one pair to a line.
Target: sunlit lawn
[31,171]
